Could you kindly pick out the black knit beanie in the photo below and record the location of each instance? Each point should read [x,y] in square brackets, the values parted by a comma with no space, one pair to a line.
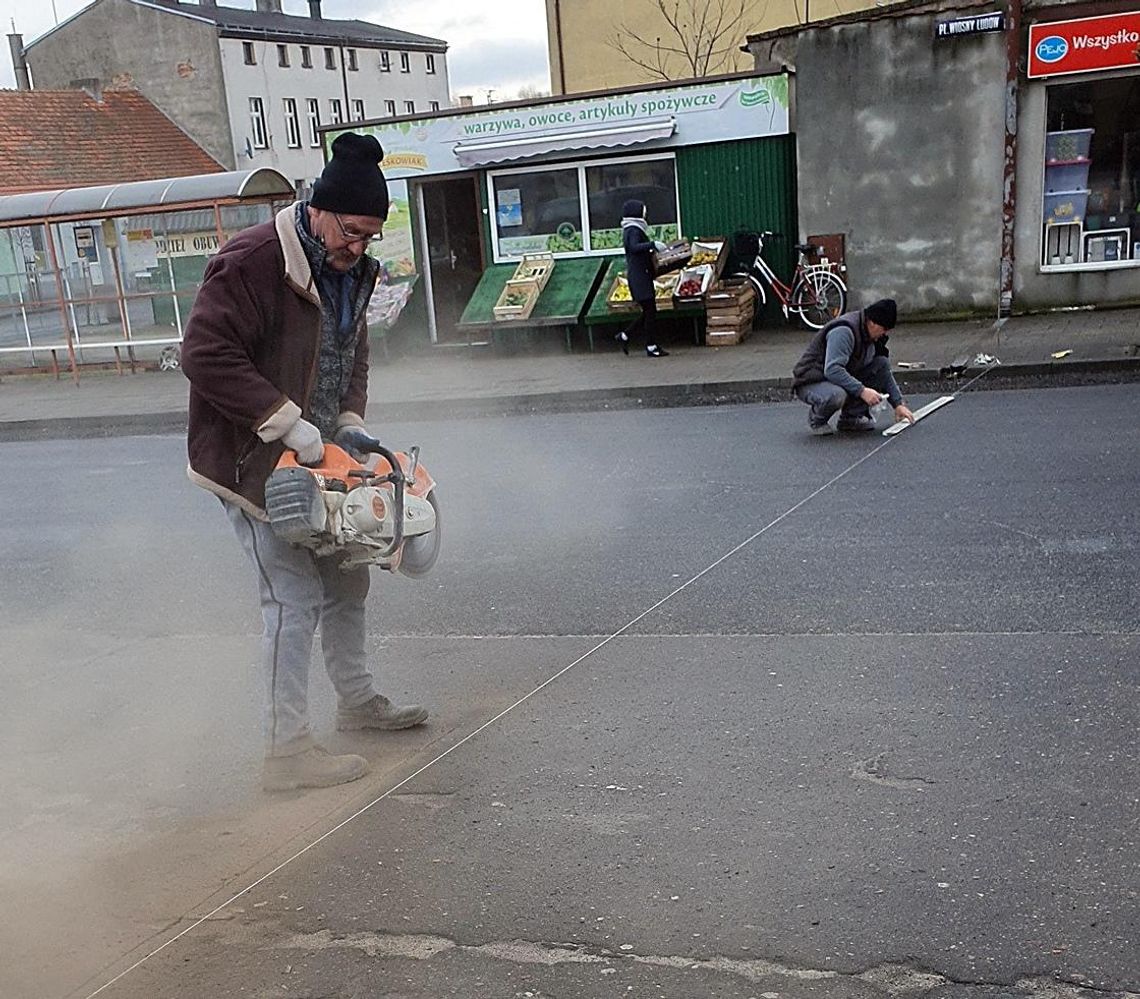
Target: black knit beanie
[352,182]
[884,312]
[633,209]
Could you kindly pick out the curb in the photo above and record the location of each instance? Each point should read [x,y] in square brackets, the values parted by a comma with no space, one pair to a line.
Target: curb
[763,390]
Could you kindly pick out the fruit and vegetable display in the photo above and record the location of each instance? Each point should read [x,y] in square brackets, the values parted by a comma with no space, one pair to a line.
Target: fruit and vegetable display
[689,288]
[663,286]
[705,253]
[621,291]
[515,298]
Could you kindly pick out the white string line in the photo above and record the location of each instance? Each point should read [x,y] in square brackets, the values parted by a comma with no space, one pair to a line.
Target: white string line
[491,721]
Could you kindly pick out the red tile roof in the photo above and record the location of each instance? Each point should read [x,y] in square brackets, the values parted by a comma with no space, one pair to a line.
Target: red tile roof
[52,139]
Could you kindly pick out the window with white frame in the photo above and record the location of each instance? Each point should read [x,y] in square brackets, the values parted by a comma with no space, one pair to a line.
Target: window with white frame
[258,135]
[357,110]
[435,105]
[409,107]
[405,62]
[390,109]
[336,111]
[576,208]
[430,60]
[385,62]
[292,125]
[350,55]
[314,106]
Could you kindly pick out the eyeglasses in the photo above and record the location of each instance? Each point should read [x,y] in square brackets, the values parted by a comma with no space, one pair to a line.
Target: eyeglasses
[357,237]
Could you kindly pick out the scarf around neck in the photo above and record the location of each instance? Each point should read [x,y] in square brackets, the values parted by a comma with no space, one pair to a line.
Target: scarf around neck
[632,223]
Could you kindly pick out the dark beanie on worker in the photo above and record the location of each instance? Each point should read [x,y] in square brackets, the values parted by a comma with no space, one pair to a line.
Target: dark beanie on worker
[633,209]
[884,312]
[352,182]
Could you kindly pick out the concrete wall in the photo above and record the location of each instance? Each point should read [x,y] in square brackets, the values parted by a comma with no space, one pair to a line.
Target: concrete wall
[172,60]
[900,142]
[1033,289]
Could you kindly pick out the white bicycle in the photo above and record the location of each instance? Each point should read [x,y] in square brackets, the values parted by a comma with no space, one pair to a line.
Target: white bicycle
[817,294]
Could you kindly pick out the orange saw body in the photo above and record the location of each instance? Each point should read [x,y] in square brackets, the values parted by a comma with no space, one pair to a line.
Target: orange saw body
[387,515]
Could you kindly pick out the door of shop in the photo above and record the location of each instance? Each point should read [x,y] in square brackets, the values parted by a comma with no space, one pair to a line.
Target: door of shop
[454,249]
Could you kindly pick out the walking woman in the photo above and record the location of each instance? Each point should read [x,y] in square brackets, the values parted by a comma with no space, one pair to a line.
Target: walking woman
[639,272]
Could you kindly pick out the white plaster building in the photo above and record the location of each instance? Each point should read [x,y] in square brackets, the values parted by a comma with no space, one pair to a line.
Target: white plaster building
[250,86]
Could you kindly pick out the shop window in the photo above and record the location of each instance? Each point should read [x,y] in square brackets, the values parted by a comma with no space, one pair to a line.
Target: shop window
[576,208]
[1091,204]
[609,186]
[536,211]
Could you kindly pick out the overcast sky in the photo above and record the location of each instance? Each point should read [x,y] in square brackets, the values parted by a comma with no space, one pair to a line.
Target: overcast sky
[497,45]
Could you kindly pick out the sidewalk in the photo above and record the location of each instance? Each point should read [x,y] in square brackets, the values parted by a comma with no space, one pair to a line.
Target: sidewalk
[535,374]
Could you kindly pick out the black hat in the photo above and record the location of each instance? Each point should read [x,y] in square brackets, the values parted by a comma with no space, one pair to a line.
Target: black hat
[352,182]
[884,312]
[633,209]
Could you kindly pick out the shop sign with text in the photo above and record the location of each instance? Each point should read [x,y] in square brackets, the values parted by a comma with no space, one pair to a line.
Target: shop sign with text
[718,111]
[1085,45]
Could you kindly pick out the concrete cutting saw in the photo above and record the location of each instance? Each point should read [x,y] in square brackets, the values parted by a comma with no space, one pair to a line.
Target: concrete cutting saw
[387,515]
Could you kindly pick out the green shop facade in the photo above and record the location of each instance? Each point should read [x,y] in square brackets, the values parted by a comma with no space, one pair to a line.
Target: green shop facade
[473,191]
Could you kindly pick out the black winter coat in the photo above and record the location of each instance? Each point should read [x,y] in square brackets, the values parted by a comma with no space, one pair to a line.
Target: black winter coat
[638,263]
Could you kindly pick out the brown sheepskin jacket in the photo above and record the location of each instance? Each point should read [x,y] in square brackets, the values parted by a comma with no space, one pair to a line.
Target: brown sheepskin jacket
[250,351]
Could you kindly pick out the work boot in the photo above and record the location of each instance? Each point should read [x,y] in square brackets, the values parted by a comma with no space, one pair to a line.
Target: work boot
[821,429]
[380,713]
[314,767]
[860,424]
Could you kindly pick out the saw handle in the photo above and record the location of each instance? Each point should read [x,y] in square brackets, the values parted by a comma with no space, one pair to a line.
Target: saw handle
[395,476]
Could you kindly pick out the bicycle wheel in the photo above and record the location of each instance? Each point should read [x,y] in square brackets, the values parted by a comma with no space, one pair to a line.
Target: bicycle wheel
[818,297]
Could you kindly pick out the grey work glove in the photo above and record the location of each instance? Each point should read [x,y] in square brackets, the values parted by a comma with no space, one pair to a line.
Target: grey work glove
[305,439]
[659,246]
[357,441]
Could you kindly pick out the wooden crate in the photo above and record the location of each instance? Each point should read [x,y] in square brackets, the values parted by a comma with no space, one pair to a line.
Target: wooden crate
[529,292]
[625,305]
[675,256]
[702,274]
[663,288]
[717,245]
[727,337]
[535,267]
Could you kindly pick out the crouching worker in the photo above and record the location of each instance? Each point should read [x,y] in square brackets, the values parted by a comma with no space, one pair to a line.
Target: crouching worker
[276,351]
[847,368]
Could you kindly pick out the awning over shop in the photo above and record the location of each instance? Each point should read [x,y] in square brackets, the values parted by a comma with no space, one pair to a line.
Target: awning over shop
[114,199]
[502,148]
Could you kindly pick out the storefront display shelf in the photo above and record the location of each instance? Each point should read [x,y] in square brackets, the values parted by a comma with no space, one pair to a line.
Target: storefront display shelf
[1066,206]
[1067,146]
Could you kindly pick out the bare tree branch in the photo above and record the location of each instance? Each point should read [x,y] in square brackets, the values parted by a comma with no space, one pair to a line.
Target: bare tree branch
[701,38]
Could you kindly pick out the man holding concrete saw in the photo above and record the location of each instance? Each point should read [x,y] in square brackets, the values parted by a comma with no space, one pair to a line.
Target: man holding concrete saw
[276,350]
[847,368]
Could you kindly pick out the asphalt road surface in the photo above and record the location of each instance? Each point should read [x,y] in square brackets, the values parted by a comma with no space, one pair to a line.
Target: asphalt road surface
[718,709]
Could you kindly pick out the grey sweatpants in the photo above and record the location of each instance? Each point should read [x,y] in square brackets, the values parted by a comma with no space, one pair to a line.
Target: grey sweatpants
[826,397]
[298,591]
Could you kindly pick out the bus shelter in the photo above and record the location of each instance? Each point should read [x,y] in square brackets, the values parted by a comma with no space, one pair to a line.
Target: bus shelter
[92,275]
